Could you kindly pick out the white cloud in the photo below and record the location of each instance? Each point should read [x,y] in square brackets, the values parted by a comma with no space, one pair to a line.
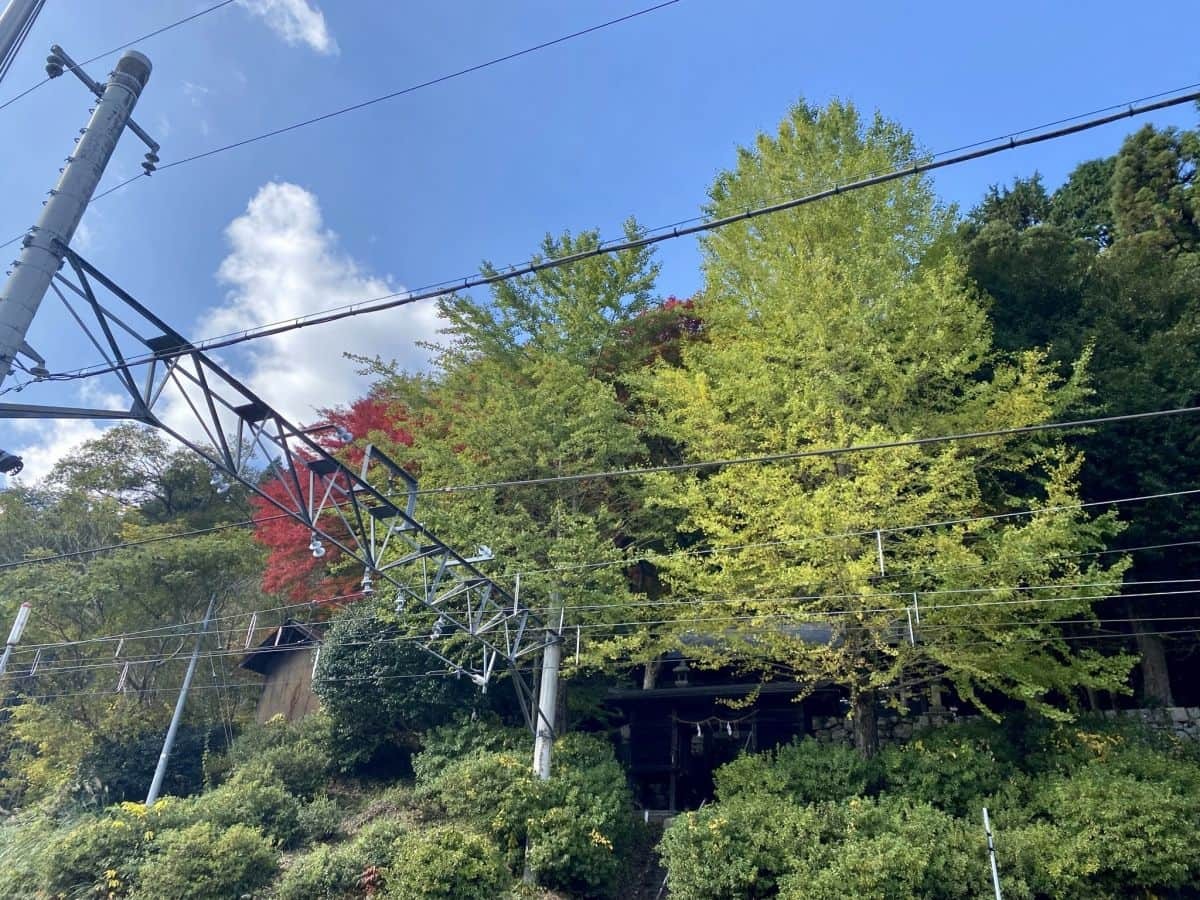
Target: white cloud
[296,21]
[50,441]
[283,263]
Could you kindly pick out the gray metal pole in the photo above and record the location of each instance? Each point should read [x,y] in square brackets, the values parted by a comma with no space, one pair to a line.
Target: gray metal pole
[15,21]
[14,636]
[987,829]
[42,252]
[543,742]
[161,769]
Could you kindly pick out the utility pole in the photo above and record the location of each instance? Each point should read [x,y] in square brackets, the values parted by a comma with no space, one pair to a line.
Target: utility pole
[987,830]
[14,636]
[15,22]
[543,743]
[161,769]
[44,247]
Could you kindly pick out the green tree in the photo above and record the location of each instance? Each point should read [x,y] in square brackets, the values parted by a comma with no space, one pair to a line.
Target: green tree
[1117,271]
[851,322]
[1082,206]
[534,383]
[1152,195]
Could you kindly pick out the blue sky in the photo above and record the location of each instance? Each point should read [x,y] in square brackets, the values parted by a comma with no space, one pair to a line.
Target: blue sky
[636,119]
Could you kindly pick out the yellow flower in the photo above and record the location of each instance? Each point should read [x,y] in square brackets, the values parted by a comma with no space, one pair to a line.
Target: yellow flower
[600,840]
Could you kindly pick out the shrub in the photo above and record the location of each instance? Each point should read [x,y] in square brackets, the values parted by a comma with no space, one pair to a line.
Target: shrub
[578,844]
[571,852]
[25,841]
[325,873]
[102,852]
[375,708]
[254,797]
[298,753]
[804,771]
[950,768]
[740,849]
[1115,835]
[375,844]
[447,861]
[120,768]
[496,792]
[319,819]
[446,744]
[893,848]
[204,861]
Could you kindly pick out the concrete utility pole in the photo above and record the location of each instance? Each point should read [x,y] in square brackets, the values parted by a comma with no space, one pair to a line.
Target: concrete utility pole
[14,636]
[543,743]
[15,22]
[991,846]
[161,769]
[42,252]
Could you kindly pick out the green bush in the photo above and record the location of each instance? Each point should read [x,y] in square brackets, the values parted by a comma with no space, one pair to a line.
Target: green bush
[254,797]
[741,848]
[120,768]
[376,709]
[495,792]
[375,843]
[444,862]
[892,848]
[298,753]
[319,819]
[951,768]
[446,744]
[325,873]
[102,852]
[25,841]
[569,851]
[580,842]
[204,861]
[1116,835]
[804,771]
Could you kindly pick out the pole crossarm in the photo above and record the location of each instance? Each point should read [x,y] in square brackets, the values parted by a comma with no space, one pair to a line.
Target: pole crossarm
[477,625]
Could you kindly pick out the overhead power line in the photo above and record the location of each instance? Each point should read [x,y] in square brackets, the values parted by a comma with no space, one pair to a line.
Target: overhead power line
[145,37]
[651,238]
[354,107]
[651,557]
[651,470]
[948,629]
[365,679]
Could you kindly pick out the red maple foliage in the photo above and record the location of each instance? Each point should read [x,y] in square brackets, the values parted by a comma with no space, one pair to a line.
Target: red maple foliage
[291,569]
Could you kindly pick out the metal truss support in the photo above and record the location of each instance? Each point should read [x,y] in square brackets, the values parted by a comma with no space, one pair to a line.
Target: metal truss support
[455,612]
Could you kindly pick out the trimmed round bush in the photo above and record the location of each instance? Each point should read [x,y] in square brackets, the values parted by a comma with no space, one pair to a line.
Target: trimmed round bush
[804,771]
[254,797]
[444,862]
[325,873]
[742,848]
[204,861]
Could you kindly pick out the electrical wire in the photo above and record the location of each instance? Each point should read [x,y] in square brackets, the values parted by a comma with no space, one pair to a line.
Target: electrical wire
[823,617]
[354,107]
[145,37]
[404,298]
[366,679]
[651,470]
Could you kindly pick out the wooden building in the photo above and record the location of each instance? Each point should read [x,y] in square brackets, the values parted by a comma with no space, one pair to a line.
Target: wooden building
[286,659]
[676,734]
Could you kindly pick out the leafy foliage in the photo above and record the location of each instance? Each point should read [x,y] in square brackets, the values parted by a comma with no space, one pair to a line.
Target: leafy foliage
[852,322]
[446,861]
[370,685]
[803,771]
[203,861]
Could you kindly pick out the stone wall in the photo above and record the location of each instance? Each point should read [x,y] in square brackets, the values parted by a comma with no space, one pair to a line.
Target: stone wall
[1184,721]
